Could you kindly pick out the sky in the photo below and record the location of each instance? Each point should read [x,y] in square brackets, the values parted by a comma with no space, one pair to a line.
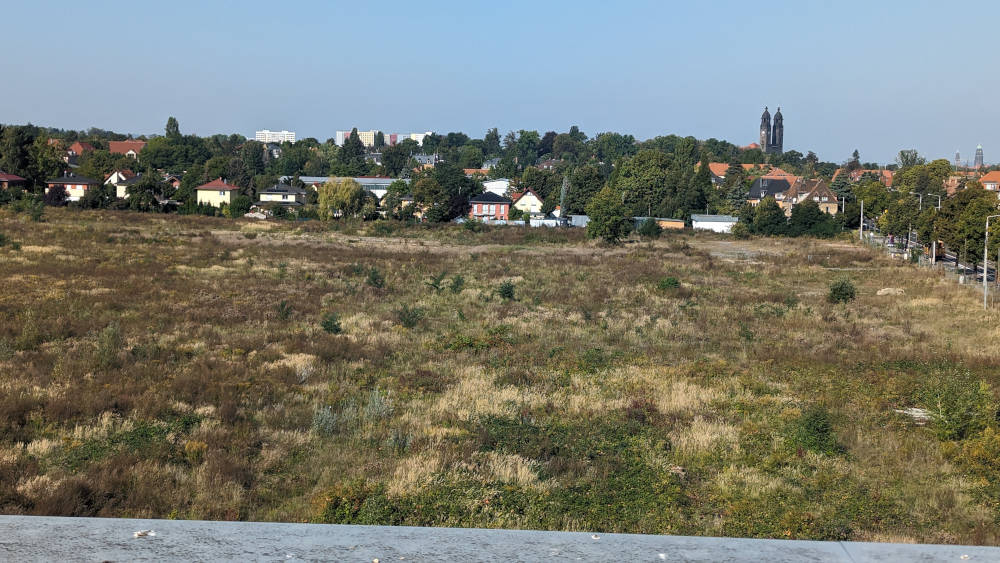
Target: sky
[876,76]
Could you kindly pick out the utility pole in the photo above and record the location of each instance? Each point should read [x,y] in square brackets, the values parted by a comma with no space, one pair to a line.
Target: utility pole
[986,240]
[861,233]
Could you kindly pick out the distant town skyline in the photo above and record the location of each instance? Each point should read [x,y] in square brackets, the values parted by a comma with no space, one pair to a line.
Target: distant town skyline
[876,77]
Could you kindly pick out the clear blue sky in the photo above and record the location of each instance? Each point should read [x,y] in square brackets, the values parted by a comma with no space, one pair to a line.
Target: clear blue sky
[877,76]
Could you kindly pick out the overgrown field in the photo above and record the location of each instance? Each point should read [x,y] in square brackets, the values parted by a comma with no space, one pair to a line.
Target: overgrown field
[183,367]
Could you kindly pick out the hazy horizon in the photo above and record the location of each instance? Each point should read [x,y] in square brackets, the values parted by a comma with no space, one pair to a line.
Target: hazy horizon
[873,77]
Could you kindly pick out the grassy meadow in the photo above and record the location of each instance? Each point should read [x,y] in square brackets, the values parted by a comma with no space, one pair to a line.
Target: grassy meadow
[190,367]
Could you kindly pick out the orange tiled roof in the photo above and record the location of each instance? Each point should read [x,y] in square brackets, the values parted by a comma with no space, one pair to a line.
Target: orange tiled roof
[993,176]
[122,147]
[217,184]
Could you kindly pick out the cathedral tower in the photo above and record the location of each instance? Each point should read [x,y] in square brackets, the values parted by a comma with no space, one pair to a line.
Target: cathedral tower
[765,130]
[778,134]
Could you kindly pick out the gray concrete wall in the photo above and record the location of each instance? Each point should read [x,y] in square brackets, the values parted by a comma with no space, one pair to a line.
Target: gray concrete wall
[30,538]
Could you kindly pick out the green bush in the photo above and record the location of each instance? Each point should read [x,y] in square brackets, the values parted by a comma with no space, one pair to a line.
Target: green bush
[959,405]
[506,290]
[375,278]
[668,283]
[457,283]
[109,346]
[650,229]
[3,239]
[284,310]
[813,431]
[408,316]
[842,291]
[331,323]
[740,231]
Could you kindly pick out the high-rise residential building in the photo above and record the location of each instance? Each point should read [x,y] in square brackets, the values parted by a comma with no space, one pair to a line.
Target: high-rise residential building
[958,160]
[266,136]
[979,158]
[368,137]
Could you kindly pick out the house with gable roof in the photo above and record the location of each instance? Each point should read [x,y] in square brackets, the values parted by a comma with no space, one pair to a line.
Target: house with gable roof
[8,180]
[528,202]
[130,149]
[489,206]
[217,193]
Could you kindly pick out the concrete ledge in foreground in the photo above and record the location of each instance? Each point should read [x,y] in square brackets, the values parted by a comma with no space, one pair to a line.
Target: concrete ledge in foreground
[35,538]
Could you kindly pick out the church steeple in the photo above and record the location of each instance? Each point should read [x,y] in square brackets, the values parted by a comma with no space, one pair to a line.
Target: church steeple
[765,130]
[778,133]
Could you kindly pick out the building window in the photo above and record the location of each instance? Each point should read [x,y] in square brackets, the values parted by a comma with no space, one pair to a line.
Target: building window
[284,196]
[825,198]
[222,193]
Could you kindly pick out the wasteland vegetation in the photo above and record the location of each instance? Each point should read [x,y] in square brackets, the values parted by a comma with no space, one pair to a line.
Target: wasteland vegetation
[380,373]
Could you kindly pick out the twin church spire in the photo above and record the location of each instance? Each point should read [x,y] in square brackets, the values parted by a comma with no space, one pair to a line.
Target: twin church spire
[772,136]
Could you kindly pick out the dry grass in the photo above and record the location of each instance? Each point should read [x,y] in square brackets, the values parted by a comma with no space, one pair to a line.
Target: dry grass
[146,369]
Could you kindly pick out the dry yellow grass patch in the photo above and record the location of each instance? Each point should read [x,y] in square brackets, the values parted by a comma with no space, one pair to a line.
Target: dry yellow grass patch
[301,363]
[413,472]
[476,395]
[505,468]
[749,481]
[42,249]
[703,436]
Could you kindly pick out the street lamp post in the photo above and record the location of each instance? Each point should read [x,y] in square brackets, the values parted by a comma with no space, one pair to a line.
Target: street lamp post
[986,241]
[920,201]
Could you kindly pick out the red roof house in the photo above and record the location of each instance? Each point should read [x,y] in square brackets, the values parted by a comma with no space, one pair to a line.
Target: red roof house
[128,148]
[8,180]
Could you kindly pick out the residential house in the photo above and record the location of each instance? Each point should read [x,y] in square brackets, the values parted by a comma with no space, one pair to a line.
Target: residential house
[578,220]
[991,181]
[548,164]
[426,160]
[274,150]
[471,172]
[75,186]
[217,192]
[121,179]
[79,149]
[489,206]
[528,202]
[8,180]
[130,149]
[75,151]
[883,176]
[805,190]
[377,185]
[499,187]
[173,179]
[282,194]
[767,187]
[716,223]
[489,163]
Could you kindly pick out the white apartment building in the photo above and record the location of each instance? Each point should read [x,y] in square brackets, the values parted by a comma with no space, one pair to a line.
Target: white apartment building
[266,136]
[368,137]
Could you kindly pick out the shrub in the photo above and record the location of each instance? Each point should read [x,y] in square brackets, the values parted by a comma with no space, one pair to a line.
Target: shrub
[473,225]
[740,231]
[457,283]
[109,345]
[959,405]
[378,406]
[650,229]
[331,323]
[408,316]
[437,282]
[506,290]
[668,283]
[842,291]
[3,239]
[284,310]
[813,431]
[325,420]
[375,278]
